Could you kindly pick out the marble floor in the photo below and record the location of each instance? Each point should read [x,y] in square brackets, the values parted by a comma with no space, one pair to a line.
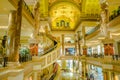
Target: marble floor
[68,76]
[64,75]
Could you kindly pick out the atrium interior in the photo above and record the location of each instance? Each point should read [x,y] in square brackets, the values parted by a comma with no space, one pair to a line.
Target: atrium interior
[59,39]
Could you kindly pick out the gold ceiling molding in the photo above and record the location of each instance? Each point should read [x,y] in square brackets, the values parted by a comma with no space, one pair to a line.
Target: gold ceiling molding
[64,16]
[73,2]
[91,6]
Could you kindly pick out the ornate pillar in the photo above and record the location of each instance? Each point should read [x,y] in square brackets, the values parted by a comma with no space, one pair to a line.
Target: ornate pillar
[79,48]
[37,19]
[18,29]
[14,32]
[76,50]
[107,71]
[11,36]
[104,75]
[84,69]
[34,44]
[35,75]
[107,75]
[84,47]
[63,44]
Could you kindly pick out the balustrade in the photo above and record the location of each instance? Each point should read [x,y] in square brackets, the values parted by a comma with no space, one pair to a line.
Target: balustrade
[44,61]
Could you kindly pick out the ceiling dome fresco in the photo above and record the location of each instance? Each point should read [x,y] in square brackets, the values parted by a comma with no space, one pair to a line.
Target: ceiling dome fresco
[64,16]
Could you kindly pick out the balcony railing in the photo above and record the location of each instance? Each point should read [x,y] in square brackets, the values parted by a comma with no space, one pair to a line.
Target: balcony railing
[37,64]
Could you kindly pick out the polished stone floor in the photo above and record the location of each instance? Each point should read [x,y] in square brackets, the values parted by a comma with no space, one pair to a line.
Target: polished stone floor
[75,76]
[68,76]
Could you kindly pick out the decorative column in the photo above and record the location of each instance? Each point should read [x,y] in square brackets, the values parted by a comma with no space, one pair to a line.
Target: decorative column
[107,71]
[76,50]
[84,47]
[14,32]
[84,69]
[18,30]
[79,48]
[104,75]
[11,36]
[107,75]
[34,44]
[63,44]
[39,74]
[35,75]
[36,18]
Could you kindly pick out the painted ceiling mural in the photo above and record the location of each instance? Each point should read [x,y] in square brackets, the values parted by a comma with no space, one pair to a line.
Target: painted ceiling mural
[64,16]
[91,7]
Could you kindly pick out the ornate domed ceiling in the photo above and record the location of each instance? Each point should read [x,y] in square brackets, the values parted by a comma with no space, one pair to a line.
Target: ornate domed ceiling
[64,16]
